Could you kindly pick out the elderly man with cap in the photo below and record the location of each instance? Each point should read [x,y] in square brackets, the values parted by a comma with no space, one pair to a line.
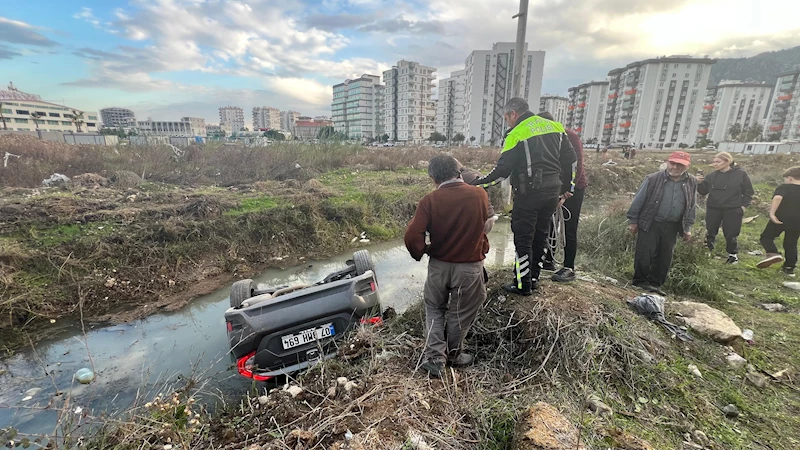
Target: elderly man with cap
[663,209]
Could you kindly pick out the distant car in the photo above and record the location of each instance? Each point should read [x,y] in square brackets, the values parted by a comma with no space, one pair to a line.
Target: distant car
[390,144]
[474,146]
[709,147]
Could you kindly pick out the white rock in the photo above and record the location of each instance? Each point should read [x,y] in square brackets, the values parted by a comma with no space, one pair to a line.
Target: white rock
[341,381]
[332,391]
[695,371]
[350,385]
[294,390]
[736,361]
[263,399]
[773,307]
[707,321]
[792,285]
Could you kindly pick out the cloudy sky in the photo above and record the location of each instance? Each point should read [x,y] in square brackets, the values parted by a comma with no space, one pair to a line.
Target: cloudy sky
[173,58]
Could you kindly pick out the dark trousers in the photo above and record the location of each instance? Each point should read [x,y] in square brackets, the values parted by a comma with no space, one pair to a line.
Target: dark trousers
[731,221]
[772,231]
[530,223]
[653,256]
[573,205]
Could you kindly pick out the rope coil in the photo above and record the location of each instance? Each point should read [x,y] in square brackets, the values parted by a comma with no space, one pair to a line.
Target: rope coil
[558,238]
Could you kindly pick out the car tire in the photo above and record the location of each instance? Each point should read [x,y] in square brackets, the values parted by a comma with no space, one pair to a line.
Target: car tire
[241,291]
[363,262]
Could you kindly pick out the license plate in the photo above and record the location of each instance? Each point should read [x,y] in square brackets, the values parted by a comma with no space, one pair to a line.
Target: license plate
[306,336]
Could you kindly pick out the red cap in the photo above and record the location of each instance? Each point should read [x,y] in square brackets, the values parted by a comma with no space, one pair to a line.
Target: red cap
[680,158]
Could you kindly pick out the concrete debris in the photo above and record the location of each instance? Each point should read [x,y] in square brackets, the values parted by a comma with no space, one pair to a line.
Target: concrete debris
[792,285]
[263,400]
[736,361]
[731,411]
[758,380]
[544,427]
[773,307]
[692,368]
[747,335]
[294,391]
[707,321]
[55,179]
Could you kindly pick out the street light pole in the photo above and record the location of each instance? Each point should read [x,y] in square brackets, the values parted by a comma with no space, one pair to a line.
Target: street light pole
[519,51]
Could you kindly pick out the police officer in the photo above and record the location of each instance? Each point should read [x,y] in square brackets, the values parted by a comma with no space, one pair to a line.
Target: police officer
[541,163]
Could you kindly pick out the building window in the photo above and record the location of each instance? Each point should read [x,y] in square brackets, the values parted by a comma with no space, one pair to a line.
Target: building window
[20,120]
[23,112]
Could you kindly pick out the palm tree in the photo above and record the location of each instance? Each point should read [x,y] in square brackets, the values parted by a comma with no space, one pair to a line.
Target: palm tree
[5,127]
[77,119]
[36,116]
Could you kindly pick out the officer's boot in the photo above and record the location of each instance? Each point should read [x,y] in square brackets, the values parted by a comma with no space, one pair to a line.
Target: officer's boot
[522,276]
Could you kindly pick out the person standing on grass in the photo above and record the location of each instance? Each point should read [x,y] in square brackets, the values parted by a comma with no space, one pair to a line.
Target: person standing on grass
[729,193]
[540,161]
[663,209]
[572,200]
[784,217]
[455,215]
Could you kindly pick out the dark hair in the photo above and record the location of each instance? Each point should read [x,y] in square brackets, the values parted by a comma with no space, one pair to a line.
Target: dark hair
[546,115]
[442,168]
[793,172]
[516,104]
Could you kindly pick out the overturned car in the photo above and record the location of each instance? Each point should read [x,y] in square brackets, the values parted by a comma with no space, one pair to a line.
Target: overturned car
[285,329]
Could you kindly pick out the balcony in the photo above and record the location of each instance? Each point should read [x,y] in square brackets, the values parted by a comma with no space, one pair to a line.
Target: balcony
[630,91]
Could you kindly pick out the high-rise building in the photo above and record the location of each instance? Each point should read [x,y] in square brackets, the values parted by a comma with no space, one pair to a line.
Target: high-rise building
[232,116]
[489,76]
[784,115]
[733,102]
[266,117]
[117,117]
[288,118]
[355,107]
[409,111]
[586,110]
[555,105]
[450,105]
[656,102]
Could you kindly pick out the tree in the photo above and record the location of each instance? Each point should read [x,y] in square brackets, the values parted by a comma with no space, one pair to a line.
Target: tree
[77,120]
[751,134]
[36,116]
[385,138]
[275,135]
[119,132]
[458,138]
[472,138]
[734,131]
[702,142]
[437,137]
[682,145]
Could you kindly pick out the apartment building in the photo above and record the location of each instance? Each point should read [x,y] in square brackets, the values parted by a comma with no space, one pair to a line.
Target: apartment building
[555,105]
[784,115]
[356,106]
[409,111]
[656,102]
[232,116]
[117,117]
[288,118]
[197,125]
[586,110]
[489,76]
[266,117]
[20,111]
[450,105]
[733,102]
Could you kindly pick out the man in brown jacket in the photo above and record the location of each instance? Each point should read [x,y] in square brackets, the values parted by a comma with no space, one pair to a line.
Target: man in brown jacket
[454,215]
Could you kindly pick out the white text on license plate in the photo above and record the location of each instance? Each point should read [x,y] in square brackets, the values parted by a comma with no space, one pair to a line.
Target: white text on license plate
[306,336]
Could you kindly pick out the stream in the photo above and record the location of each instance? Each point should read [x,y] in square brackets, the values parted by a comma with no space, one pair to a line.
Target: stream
[135,361]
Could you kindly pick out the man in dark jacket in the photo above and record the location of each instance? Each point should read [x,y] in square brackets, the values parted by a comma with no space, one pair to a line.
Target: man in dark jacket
[663,208]
[572,201]
[539,159]
[455,215]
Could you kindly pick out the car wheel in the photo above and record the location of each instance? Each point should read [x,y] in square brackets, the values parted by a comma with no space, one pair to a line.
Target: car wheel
[363,262]
[241,291]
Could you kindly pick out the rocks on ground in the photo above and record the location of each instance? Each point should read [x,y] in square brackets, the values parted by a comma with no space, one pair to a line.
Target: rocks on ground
[125,179]
[707,321]
[543,427]
[89,181]
[736,361]
[773,307]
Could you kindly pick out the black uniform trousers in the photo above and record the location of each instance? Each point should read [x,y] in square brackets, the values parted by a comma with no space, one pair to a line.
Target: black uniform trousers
[530,223]
[731,221]
[653,257]
[772,231]
[573,205]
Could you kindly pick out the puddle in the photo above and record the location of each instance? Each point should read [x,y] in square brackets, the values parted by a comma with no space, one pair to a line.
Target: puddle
[135,361]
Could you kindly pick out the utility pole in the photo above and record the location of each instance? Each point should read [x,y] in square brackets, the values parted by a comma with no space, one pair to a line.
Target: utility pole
[519,51]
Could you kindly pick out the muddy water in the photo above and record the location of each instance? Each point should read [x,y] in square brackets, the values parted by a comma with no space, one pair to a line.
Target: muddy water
[135,361]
